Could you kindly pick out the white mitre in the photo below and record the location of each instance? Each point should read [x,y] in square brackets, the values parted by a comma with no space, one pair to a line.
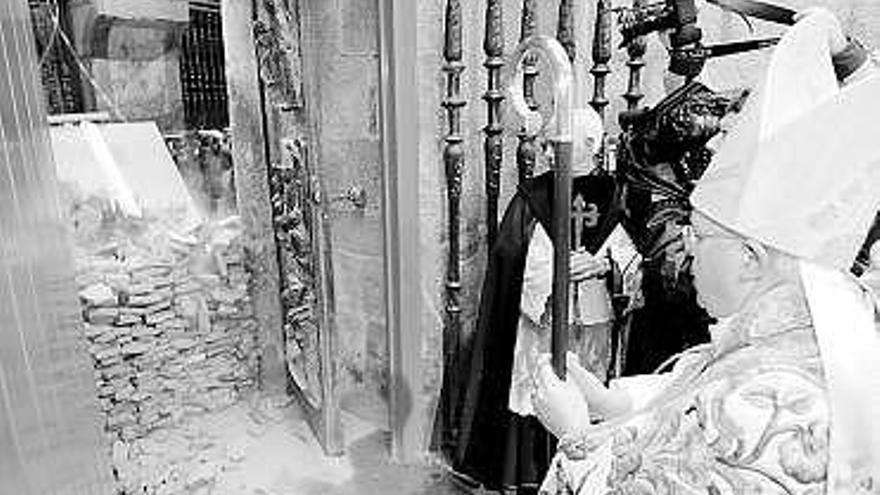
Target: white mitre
[801,172]
[586,132]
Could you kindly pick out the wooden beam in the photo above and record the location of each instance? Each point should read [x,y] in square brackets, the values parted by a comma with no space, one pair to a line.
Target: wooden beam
[250,165]
[169,10]
[400,122]
[76,118]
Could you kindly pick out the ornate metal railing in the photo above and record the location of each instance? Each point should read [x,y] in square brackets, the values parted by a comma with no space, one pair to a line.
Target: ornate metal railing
[453,157]
[493,45]
[202,69]
[528,148]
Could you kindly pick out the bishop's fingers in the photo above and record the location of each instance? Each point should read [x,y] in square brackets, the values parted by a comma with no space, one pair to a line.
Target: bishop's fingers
[584,266]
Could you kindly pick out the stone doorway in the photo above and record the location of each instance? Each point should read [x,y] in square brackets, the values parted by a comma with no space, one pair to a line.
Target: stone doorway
[315,107]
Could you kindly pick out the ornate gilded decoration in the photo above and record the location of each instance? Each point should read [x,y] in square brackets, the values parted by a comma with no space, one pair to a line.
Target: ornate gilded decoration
[493,46]
[699,435]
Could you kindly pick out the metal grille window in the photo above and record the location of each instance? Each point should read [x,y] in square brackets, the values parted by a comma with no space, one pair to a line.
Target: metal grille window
[62,85]
[202,75]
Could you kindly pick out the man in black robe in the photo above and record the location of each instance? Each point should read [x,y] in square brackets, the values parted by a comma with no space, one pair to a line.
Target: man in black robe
[496,447]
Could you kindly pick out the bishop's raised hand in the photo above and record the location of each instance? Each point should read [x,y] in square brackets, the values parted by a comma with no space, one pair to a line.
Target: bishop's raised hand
[559,404]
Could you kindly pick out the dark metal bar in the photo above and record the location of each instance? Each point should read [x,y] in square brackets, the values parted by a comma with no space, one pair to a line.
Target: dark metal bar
[202,75]
[600,70]
[601,56]
[453,158]
[561,252]
[493,46]
[527,150]
[636,51]
[562,209]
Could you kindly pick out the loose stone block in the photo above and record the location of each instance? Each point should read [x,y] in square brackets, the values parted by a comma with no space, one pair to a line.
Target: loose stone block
[159,317]
[150,298]
[98,294]
[135,348]
[102,315]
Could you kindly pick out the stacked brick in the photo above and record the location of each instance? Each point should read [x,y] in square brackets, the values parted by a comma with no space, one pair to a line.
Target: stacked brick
[166,340]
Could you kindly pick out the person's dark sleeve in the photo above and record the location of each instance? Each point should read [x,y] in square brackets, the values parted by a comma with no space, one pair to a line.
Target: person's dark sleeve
[849,60]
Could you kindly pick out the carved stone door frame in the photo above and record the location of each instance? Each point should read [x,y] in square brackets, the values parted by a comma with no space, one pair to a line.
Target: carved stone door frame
[274,139]
[252,155]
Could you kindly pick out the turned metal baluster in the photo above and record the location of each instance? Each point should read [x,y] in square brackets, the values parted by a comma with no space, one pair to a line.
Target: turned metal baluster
[527,150]
[453,158]
[636,50]
[601,57]
[493,46]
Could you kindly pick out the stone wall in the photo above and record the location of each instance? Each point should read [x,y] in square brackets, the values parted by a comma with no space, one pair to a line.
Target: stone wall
[169,334]
[142,89]
[132,50]
[348,159]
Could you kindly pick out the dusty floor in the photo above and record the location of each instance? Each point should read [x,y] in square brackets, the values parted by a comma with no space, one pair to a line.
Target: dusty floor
[262,446]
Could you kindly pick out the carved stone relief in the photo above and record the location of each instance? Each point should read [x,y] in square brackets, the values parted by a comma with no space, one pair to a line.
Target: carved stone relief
[277,37]
[290,189]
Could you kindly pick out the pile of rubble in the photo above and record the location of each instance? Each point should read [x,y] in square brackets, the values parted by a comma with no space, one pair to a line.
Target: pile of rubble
[168,337]
[201,455]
